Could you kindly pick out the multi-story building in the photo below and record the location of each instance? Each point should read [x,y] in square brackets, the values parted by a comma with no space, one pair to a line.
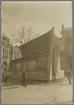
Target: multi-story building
[66,51]
[9,52]
[6,53]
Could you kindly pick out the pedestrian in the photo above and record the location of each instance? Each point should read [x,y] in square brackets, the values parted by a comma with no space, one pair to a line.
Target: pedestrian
[24,78]
[6,78]
[2,77]
[69,74]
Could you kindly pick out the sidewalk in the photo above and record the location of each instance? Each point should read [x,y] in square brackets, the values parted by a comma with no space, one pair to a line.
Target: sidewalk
[38,94]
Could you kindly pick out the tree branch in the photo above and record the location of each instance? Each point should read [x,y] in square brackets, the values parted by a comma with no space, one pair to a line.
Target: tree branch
[25,35]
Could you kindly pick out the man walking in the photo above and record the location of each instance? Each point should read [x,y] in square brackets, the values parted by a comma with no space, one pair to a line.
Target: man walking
[69,76]
[24,78]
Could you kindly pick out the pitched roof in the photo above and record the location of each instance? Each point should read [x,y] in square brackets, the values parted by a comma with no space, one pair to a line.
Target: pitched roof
[38,46]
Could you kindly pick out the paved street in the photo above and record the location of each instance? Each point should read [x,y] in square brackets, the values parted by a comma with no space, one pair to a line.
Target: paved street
[38,94]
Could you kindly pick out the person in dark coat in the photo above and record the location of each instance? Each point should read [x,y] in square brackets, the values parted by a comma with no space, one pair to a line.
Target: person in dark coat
[6,79]
[2,77]
[69,75]
[24,78]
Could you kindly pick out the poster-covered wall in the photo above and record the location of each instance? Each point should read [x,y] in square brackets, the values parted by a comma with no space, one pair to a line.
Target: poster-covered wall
[35,68]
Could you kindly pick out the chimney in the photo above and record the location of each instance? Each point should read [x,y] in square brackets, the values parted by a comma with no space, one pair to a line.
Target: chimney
[62,27]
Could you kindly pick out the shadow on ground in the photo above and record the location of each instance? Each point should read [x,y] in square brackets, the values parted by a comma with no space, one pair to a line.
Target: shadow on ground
[32,82]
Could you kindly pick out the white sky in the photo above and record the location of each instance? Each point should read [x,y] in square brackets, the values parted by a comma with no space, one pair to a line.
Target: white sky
[41,16]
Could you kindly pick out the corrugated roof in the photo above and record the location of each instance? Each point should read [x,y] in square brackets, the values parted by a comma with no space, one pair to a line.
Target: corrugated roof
[36,38]
[38,46]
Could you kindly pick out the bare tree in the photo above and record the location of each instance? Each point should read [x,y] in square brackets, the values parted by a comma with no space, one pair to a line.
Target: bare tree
[24,35]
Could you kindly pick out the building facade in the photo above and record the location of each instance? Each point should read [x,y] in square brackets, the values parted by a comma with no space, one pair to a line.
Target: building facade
[40,58]
[6,52]
[16,52]
[66,51]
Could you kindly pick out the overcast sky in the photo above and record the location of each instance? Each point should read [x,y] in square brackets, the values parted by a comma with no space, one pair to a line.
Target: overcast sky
[41,16]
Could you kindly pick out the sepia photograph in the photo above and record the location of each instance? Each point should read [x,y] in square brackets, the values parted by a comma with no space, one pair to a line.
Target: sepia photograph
[36,52]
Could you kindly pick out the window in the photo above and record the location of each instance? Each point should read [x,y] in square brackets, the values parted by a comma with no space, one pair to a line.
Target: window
[32,65]
[13,66]
[44,64]
[3,53]
[22,66]
[18,66]
[38,65]
[6,53]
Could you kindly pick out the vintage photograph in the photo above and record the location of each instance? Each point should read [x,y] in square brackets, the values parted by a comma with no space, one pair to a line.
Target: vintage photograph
[36,52]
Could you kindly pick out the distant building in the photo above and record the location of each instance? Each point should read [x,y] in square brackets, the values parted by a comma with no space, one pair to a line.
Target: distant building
[66,51]
[6,51]
[16,53]
[40,58]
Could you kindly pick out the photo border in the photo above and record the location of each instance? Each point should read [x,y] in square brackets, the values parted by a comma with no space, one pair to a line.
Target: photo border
[72,44]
